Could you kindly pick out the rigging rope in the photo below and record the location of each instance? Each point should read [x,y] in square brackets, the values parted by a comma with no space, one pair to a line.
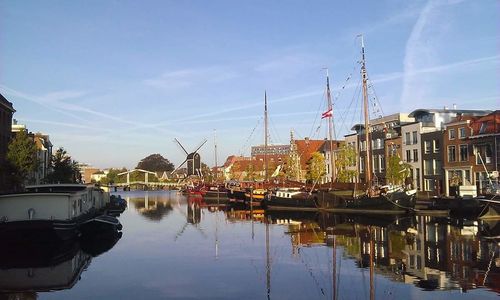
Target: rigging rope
[249,137]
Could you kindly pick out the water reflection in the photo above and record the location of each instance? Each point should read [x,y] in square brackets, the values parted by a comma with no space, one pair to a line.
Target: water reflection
[153,207]
[29,268]
[191,249]
[431,253]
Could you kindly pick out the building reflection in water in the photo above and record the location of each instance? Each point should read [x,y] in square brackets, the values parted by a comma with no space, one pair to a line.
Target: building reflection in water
[431,253]
[27,269]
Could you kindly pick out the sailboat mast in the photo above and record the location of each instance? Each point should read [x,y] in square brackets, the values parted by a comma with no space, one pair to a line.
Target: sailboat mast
[215,156]
[265,135]
[330,127]
[367,116]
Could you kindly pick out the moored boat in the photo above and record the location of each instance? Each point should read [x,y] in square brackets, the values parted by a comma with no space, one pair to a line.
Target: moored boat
[49,212]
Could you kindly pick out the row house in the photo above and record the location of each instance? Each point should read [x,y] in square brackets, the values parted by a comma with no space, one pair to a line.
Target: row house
[381,129]
[471,147]
[421,145]
[43,153]
[6,112]
[426,121]
[44,156]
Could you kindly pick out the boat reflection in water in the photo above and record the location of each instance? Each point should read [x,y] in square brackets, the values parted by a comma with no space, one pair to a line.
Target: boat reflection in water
[29,268]
[430,253]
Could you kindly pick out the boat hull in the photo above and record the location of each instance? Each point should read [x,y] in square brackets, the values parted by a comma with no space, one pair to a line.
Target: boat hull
[38,230]
[396,203]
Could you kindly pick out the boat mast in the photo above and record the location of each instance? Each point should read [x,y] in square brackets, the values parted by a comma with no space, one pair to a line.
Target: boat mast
[367,116]
[265,136]
[330,127]
[215,156]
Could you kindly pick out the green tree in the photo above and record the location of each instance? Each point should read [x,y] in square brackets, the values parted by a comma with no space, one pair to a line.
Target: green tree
[155,163]
[397,170]
[292,167]
[316,167]
[346,158]
[112,176]
[250,172]
[21,156]
[64,169]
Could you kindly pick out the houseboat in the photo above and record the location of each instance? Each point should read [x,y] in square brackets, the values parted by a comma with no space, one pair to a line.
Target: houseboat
[49,212]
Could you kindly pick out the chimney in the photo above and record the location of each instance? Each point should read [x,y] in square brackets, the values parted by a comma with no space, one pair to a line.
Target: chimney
[454,106]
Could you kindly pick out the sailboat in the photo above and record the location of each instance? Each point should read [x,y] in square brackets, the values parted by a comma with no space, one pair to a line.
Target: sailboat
[376,199]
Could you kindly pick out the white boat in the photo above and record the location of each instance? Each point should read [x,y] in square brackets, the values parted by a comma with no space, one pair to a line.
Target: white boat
[52,211]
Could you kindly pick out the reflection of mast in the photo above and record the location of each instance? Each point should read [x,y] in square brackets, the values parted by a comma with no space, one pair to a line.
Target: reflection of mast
[268,262]
[334,271]
[372,250]
[216,232]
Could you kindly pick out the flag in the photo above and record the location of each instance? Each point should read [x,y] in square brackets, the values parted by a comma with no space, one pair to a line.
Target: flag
[327,114]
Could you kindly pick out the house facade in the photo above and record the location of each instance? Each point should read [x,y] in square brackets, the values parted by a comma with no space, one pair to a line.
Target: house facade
[6,112]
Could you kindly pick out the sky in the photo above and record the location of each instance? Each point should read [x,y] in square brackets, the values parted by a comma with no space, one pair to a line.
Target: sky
[115,81]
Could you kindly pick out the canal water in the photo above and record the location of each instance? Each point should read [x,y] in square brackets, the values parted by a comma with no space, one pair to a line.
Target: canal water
[172,247]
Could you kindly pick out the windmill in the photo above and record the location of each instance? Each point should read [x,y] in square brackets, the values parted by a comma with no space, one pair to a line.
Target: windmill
[193,160]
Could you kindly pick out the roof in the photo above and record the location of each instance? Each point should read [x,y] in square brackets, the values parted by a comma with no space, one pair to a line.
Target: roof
[306,148]
[473,112]
[6,104]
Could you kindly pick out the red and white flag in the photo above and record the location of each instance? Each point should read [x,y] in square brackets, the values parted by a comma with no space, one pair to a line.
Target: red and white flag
[327,114]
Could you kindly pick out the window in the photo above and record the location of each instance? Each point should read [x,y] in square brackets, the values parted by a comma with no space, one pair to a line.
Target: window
[461,132]
[361,164]
[429,185]
[417,175]
[427,147]
[415,155]
[485,153]
[436,146]
[451,134]
[374,163]
[464,154]
[428,168]
[414,134]
[483,128]
[438,167]
[451,154]
[379,144]
[382,162]
[407,138]
[408,155]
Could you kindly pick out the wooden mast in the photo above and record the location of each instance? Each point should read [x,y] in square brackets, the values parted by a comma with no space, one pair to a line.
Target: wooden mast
[367,117]
[330,128]
[265,136]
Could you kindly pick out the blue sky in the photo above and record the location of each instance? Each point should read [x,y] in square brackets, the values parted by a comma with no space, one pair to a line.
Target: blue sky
[114,81]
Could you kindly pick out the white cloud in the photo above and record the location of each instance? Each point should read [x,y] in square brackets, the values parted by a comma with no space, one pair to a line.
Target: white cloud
[184,78]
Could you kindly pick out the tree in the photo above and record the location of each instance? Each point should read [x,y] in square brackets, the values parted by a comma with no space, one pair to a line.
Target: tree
[316,167]
[292,167]
[155,163]
[397,170]
[64,169]
[21,156]
[112,176]
[346,158]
